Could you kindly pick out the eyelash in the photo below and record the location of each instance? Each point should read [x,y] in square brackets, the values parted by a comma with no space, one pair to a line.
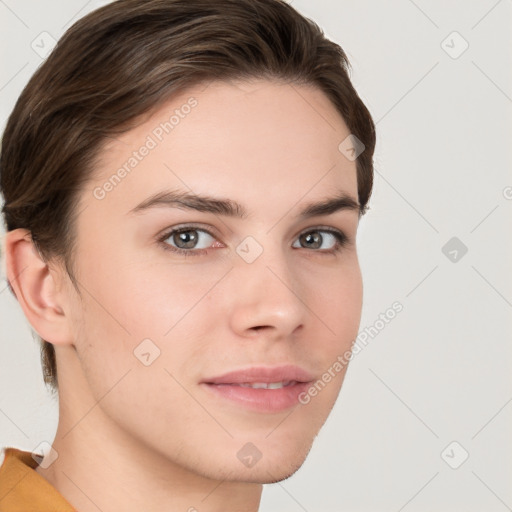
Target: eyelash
[341,241]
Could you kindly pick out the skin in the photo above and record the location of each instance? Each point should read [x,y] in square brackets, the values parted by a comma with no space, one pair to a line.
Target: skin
[133,437]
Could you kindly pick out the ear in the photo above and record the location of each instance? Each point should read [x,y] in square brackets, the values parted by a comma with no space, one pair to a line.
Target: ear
[37,287]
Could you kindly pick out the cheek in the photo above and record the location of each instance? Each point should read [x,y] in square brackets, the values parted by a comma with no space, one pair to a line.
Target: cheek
[135,302]
[339,315]
[168,301]
[336,296]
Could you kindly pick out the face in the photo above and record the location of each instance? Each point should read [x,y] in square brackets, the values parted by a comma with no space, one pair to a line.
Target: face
[189,309]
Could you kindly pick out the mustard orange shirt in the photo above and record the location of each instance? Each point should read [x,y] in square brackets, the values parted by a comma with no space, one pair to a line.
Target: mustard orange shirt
[22,489]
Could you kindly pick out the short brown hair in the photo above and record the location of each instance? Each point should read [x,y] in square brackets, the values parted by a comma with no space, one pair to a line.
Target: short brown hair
[124,60]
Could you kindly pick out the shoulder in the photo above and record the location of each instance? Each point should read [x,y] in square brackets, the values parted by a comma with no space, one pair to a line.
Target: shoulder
[22,488]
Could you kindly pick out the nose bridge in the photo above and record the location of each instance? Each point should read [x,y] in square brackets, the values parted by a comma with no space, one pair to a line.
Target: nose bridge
[269,291]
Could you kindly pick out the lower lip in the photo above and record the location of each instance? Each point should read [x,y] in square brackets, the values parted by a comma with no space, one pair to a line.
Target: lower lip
[261,400]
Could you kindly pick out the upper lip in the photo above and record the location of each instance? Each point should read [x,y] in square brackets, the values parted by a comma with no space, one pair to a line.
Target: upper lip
[282,373]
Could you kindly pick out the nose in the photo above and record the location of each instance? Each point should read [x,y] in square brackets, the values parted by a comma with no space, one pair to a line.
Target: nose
[267,297]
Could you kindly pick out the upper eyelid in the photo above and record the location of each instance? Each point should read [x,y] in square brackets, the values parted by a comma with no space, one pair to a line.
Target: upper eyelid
[167,232]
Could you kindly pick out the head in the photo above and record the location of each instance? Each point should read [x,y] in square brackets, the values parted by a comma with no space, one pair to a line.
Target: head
[240,101]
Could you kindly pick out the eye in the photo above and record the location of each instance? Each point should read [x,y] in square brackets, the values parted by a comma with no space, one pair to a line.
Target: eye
[184,240]
[312,239]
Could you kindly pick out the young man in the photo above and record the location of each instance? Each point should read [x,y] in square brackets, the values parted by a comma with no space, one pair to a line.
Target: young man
[183,182]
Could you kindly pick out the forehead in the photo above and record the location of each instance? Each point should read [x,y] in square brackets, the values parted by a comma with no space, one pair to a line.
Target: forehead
[243,140]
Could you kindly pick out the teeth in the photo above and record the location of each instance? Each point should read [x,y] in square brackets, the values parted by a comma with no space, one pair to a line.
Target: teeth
[266,385]
[276,385]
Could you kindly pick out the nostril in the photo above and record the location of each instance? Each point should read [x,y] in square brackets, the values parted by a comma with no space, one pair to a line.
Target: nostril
[258,327]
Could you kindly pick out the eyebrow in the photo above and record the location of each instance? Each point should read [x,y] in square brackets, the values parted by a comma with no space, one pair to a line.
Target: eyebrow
[228,207]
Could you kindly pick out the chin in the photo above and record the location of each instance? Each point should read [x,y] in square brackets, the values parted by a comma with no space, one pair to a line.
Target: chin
[275,472]
[275,465]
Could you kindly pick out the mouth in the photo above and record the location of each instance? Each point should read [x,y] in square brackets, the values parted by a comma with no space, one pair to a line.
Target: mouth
[267,385]
[260,389]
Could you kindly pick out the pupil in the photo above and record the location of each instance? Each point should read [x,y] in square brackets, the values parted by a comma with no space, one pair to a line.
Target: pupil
[186,235]
[315,238]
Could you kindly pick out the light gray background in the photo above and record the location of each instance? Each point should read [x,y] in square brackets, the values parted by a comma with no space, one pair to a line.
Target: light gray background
[440,371]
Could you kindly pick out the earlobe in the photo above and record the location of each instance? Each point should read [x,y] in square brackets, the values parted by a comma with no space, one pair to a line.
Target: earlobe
[36,287]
